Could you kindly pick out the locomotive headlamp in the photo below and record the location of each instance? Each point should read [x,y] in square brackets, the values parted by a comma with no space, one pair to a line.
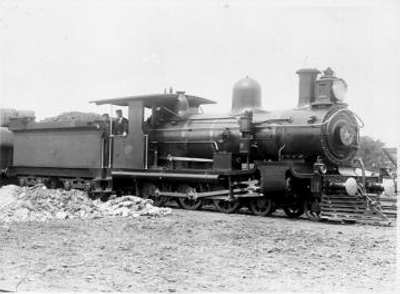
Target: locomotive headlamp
[339,89]
[329,89]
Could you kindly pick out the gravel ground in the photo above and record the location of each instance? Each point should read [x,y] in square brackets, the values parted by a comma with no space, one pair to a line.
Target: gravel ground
[197,251]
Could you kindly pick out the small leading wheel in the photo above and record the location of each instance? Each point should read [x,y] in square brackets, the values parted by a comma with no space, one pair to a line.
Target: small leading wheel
[227,206]
[294,212]
[312,209]
[190,202]
[261,206]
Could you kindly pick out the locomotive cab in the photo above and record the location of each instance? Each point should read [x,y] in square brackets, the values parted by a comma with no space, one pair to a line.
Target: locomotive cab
[133,151]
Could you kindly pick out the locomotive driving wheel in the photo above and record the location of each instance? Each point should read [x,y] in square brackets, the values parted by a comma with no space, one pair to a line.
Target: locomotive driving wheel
[151,191]
[261,206]
[228,205]
[312,209]
[190,202]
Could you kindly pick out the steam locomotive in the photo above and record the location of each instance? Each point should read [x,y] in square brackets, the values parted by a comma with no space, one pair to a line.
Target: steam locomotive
[301,160]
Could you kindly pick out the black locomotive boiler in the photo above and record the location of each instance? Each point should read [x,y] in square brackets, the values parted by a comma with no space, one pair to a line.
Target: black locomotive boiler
[301,159]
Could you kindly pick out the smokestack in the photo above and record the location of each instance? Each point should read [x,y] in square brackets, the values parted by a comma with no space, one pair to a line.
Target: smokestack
[307,77]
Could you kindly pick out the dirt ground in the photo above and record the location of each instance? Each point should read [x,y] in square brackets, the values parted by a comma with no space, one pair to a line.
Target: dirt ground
[197,251]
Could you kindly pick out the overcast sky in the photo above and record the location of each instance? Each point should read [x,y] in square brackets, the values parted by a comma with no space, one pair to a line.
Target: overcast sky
[56,56]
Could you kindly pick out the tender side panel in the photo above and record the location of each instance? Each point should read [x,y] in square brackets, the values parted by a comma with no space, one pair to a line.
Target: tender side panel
[65,148]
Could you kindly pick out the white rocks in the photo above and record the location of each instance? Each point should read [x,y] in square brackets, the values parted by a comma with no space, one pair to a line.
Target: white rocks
[8,195]
[61,215]
[41,204]
[132,206]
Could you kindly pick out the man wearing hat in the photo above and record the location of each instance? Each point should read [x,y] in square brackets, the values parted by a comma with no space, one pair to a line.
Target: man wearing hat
[121,124]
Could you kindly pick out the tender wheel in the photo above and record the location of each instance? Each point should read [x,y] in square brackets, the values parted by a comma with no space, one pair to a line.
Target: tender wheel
[52,183]
[227,206]
[119,192]
[150,191]
[104,196]
[312,209]
[294,212]
[261,206]
[190,202]
[67,184]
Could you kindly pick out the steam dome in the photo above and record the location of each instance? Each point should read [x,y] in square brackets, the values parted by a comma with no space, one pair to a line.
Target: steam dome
[246,95]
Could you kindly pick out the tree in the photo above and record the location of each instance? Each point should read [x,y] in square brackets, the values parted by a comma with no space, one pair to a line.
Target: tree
[371,153]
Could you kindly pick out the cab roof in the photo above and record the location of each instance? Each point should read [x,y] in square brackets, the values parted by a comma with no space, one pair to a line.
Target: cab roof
[154,99]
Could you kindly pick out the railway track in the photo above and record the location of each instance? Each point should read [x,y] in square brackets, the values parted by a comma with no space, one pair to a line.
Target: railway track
[339,209]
